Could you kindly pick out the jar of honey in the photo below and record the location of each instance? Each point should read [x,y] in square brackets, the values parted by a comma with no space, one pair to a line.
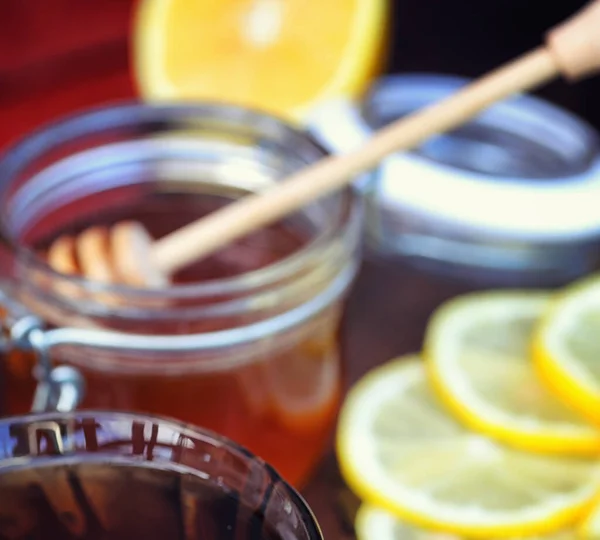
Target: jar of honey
[244,342]
[115,476]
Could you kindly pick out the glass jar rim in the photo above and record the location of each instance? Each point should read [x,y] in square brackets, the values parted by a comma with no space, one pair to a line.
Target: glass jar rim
[128,113]
[44,421]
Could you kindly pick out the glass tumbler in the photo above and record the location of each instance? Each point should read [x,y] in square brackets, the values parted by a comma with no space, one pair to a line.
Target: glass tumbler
[244,342]
[114,476]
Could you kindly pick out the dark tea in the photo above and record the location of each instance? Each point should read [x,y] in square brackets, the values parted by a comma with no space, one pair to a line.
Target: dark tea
[115,502]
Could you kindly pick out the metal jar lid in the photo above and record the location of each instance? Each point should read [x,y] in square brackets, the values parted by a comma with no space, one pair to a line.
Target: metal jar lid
[516,189]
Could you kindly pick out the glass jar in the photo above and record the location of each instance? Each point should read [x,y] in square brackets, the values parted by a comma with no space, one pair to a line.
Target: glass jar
[244,343]
[509,198]
[121,476]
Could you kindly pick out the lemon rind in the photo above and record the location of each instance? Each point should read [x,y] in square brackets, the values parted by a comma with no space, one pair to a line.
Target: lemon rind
[549,355]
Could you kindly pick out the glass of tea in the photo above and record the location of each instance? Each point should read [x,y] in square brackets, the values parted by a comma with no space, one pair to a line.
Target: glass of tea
[245,342]
[114,476]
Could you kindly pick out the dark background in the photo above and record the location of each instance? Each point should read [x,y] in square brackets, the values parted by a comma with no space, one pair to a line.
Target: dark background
[60,55]
[470,37]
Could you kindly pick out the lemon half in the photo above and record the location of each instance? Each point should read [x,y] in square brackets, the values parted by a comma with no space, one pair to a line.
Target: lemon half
[280,56]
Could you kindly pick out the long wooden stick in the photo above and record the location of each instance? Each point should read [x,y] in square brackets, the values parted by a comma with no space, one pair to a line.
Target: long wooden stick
[572,49]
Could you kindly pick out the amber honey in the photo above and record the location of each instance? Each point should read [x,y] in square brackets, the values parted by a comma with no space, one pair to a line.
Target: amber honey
[92,502]
[281,407]
[270,407]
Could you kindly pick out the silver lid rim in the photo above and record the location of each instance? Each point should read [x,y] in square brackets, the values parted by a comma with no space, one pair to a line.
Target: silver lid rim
[565,209]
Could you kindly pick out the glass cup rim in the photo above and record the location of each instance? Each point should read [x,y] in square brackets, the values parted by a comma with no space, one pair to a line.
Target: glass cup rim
[178,426]
[124,113]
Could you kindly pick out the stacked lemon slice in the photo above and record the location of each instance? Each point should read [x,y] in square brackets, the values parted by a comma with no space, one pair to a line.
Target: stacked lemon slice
[493,431]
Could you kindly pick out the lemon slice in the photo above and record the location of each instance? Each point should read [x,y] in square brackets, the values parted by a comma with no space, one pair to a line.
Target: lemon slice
[282,56]
[589,527]
[477,349]
[400,450]
[566,347]
[373,523]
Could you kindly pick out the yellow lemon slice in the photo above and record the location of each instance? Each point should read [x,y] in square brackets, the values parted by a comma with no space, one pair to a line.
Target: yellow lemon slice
[566,347]
[589,527]
[282,56]
[400,450]
[373,523]
[477,349]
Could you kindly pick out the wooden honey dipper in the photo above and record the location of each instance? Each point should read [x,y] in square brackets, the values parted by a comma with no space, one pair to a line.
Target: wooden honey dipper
[127,254]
